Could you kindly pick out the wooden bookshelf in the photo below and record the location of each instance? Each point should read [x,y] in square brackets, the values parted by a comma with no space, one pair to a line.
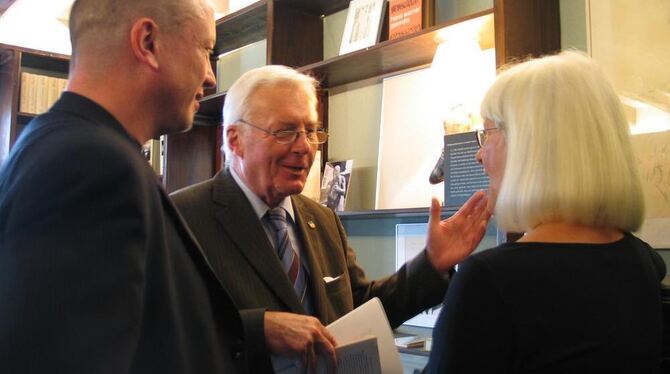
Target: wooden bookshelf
[294,33]
[13,60]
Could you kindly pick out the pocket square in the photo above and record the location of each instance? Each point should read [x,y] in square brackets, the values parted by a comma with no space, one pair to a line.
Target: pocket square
[328,279]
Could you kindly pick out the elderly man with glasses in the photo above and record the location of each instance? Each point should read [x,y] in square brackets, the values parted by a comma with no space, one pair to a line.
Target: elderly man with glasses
[284,258]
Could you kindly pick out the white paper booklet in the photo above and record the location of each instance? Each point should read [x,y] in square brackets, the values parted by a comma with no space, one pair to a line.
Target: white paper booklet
[358,357]
[365,343]
[369,319]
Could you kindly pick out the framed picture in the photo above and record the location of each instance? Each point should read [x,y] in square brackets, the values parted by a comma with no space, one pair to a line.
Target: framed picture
[363,25]
[335,184]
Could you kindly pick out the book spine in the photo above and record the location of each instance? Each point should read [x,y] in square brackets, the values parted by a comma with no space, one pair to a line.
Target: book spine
[23,99]
[32,93]
[42,93]
[52,92]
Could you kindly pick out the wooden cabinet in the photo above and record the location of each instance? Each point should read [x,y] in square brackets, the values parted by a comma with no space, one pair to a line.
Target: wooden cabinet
[294,33]
[13,62]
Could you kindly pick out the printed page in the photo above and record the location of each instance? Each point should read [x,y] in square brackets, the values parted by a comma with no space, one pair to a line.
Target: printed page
[365,344]
[369,319]
[359,357]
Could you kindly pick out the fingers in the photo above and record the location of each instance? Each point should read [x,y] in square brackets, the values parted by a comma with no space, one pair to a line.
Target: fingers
[309,360]
[434,211]
[300,337]
[473,203]
[325,345]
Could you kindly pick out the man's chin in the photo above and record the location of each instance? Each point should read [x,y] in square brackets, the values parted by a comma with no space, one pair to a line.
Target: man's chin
[292,188]
[177,128]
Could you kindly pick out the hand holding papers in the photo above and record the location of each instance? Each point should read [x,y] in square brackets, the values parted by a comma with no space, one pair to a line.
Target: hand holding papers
[355,330]
[365,343]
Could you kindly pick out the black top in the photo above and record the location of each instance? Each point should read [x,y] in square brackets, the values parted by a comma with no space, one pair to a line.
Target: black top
[553,308]
[98,272]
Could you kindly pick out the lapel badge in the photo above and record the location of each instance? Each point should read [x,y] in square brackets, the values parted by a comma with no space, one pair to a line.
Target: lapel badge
[311,224]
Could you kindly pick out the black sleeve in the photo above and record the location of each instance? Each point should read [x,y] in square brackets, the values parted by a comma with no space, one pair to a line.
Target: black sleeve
[258,355]
[473,333]
[659,264]
[72,258]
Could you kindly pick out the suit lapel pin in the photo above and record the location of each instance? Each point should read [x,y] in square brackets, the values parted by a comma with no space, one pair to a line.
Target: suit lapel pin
[311,224]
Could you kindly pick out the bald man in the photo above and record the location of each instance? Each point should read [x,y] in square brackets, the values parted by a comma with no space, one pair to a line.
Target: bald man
[98,272]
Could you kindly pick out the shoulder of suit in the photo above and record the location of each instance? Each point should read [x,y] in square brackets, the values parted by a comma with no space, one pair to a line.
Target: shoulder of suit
[312,205]
[197,189]
[63,139]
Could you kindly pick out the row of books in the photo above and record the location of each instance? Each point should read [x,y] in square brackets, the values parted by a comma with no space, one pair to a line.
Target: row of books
[39,92]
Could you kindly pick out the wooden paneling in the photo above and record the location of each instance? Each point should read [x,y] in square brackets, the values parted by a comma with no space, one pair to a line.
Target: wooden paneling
[526,28]
[191,157]
[295,37]
[9,73]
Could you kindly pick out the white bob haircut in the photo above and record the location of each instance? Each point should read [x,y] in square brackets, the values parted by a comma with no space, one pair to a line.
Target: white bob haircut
[237,98]
[569,153]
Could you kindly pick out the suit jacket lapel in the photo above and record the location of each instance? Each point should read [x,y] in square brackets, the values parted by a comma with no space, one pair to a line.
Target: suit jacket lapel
[308,231]
[190,241]
[240,222]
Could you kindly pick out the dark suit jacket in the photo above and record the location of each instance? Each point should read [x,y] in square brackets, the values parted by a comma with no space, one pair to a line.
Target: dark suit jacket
[226,225]
[98,272]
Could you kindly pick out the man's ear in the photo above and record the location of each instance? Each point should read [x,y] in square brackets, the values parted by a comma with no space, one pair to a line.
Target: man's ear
[143,37]
[234,139]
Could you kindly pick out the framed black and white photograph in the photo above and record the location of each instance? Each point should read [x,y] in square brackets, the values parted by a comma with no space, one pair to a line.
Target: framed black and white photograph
[335,184]
[363,25]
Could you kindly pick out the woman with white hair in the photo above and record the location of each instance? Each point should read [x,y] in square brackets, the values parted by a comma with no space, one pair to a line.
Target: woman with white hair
[578,293]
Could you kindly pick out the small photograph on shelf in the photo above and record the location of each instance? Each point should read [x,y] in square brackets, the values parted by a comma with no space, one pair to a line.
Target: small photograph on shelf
[335,184]
[363,25]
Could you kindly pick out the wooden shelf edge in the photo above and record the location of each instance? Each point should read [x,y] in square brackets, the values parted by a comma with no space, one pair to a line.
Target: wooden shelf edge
[36,52]
[211,106]
[394,213]
[207,121]
[320,7]
[243,27]
[375,61]
[23,117]
[247,11]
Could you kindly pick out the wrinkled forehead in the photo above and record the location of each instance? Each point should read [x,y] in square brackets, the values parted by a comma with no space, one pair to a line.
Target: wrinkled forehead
[284,96]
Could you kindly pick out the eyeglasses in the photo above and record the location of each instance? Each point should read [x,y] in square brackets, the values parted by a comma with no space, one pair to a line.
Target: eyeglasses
[482,135]
[315,136]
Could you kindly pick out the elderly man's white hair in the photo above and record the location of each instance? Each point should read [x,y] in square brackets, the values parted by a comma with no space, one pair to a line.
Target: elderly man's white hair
[237,98]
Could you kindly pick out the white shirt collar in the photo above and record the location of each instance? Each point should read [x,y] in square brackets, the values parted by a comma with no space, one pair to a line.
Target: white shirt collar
[260,207]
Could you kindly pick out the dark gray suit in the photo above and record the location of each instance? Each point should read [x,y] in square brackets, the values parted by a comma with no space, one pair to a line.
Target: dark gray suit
[98,272]
[231,234]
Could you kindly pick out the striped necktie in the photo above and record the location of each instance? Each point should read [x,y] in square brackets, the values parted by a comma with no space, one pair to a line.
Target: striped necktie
[287,254]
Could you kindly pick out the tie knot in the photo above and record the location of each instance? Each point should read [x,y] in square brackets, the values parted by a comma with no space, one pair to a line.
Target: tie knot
[277,217]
